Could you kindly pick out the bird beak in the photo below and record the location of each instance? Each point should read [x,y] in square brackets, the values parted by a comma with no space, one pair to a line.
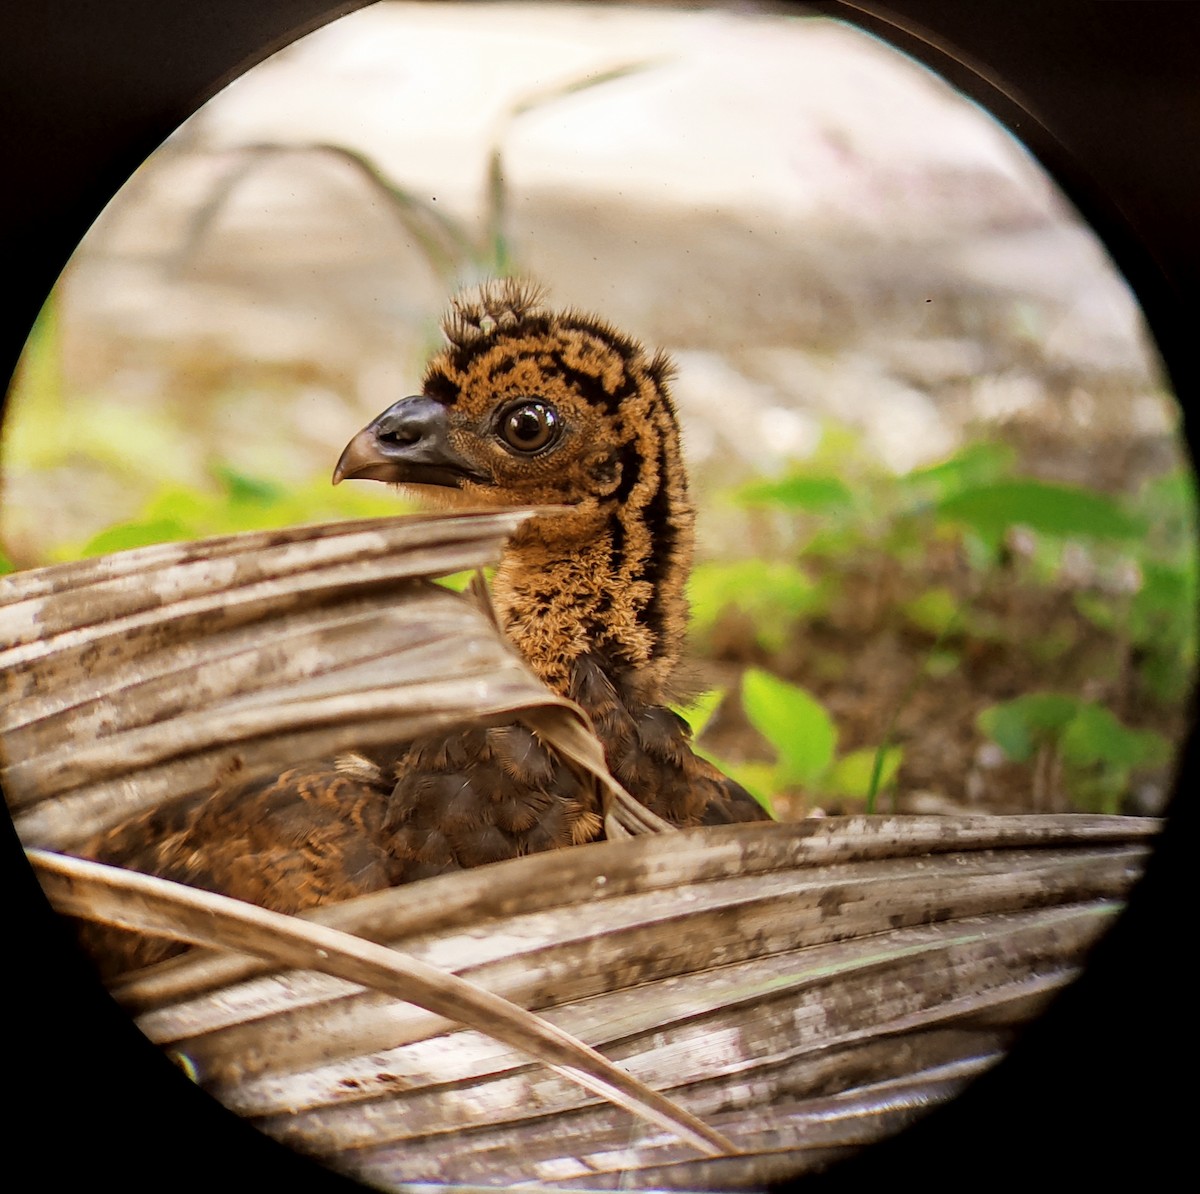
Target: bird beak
[407,444]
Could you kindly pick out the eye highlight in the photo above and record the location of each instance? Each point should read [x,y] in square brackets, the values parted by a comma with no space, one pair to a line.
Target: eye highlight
[529,427]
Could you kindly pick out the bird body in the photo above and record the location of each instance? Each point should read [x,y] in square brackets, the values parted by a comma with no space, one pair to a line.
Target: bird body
[523,407]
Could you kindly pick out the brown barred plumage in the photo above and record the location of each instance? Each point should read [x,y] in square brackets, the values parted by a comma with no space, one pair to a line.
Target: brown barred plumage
[524,406]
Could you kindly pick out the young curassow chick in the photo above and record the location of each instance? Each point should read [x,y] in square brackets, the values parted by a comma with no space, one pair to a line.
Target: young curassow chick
[524,407]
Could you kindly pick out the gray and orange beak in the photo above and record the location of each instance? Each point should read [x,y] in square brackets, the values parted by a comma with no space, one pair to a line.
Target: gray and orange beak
[408,444]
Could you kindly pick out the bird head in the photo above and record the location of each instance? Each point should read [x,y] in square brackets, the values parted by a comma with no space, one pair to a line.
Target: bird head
[524,406]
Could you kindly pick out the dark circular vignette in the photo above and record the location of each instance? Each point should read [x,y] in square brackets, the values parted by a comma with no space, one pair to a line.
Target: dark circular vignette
[1104,95]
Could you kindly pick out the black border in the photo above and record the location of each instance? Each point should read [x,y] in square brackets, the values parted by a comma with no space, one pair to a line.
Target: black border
[1104,93]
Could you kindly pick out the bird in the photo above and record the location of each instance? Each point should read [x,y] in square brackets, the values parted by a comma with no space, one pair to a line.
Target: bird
[524,406]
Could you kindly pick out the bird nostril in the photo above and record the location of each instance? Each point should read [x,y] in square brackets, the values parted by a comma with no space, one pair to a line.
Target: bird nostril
[401,436]
[409,423]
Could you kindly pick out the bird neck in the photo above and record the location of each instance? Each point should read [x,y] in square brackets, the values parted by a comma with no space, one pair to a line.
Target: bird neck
[607,580]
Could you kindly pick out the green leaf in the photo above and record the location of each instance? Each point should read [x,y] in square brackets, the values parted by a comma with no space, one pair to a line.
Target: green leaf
[971,466]
[841,447]
[1099,609]
[761,780]
[851,774]
[798,492]
[1098,750]
[1058,637]
[186,505]
[1166,603]
[941,661]
[1020,726]
[6,565]
[771,594]
[982,547]
[1095,737]
[253,491]
[1169,679]
[319,501]
[698,713]
[140,533]
[794,722]
[457,582]
[1050,509]
[936,611]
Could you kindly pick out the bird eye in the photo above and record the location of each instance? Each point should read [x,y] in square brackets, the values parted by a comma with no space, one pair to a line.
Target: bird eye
[529,426]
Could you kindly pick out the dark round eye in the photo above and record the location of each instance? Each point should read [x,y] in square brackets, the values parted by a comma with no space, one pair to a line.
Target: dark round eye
[529,426]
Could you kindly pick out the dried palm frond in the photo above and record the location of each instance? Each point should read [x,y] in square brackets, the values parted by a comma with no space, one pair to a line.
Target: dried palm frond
[143,902]
[763,998]
[801,989]
[137,678]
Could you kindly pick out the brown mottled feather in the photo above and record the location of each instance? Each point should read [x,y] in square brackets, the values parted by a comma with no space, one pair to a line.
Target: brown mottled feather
[594,599]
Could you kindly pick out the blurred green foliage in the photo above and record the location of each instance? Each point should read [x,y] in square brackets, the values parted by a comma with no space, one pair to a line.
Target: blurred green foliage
[769,593]
[44,429]
[148,451]
[837,509]
[1098,754]
[834,516]
[1155,611]
[1137,561]
[803,738]
[235,502]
